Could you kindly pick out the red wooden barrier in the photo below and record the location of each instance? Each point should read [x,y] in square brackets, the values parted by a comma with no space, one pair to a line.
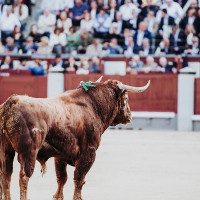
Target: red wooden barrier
[197,97]
[161,95]
[35,86]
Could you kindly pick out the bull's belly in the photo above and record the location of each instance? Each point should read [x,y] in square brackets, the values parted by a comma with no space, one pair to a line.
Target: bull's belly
[65,148]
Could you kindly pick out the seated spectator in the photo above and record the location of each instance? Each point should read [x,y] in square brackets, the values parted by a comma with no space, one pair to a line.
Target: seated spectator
[59,62]
[71,65]
[85,39]
[197,23]
[119,22]
[189,18]
[142,33]
[145,49]
[135,65]
[146,7]
[130,48]
[112,10]
[77,12]
[95,49]
[151,23]
[163,66]
[21,12]
[29,47]
[190,33]
[112,47]
[173,9]
[46,22]
[126,34]
[7,23]
[93,10]
[18,37]
[166,20]
[57,41]
[102,24]
[47,4]
[102,4]
[94,65]
[56,6]
[84,66]
[2,47]
[6,63]
[115,33]
[22,65]
[37,68]
[73,40]
[164,48]
[34,33]
[68,3]
[2,7]
[126,11]
[178,62]
[43,46]
[150,65]
[133,22]
[177,40]
[64,22]
[10,46]
[193,49]
[164,27]
[87,23]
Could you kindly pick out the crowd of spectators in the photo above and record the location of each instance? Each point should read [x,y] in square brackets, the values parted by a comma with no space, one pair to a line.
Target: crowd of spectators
[100,27]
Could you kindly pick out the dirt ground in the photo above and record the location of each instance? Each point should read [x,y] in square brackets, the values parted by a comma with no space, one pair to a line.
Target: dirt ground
[130,165]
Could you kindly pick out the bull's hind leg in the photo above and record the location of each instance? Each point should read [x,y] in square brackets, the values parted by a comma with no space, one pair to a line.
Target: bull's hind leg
[9,155]
[61,174]
[27,162]
[82,167]
[6,176]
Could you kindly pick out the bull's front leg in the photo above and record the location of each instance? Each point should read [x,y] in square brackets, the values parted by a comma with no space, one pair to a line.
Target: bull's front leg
[83,165]
[61,175]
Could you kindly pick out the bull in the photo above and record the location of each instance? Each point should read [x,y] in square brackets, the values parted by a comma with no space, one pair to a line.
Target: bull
[67,127]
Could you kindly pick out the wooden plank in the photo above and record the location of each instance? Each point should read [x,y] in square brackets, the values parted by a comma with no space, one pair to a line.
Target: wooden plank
[161,95]
[35,86]
[197,97]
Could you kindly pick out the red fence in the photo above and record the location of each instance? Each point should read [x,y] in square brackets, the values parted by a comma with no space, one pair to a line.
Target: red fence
[161,95]
[34,86]
[197,97]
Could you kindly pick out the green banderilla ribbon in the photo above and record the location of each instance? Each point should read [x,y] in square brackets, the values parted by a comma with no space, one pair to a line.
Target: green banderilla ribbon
[87,84]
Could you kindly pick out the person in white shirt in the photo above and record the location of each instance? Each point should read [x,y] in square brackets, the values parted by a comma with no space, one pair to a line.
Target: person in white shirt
[21,11]
[2,7]
[46,22]
[152,23]
[173,9]
[8,21]
[93,10]
[57,41]
[64,22]
[84,66]
[87,23]
[126,9]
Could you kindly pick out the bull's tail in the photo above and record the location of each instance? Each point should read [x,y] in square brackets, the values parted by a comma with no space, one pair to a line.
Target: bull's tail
[2,153]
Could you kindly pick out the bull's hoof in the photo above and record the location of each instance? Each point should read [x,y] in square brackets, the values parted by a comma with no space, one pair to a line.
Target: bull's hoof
[60,198]
[77,198]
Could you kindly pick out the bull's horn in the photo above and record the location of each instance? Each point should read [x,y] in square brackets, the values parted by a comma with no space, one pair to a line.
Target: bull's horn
[99,80]
[134,89]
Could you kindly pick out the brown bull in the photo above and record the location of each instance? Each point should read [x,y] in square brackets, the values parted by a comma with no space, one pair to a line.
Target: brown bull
[67,127]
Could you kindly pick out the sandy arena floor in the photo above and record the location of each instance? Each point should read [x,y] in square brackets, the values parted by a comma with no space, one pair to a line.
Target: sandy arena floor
[130,165]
